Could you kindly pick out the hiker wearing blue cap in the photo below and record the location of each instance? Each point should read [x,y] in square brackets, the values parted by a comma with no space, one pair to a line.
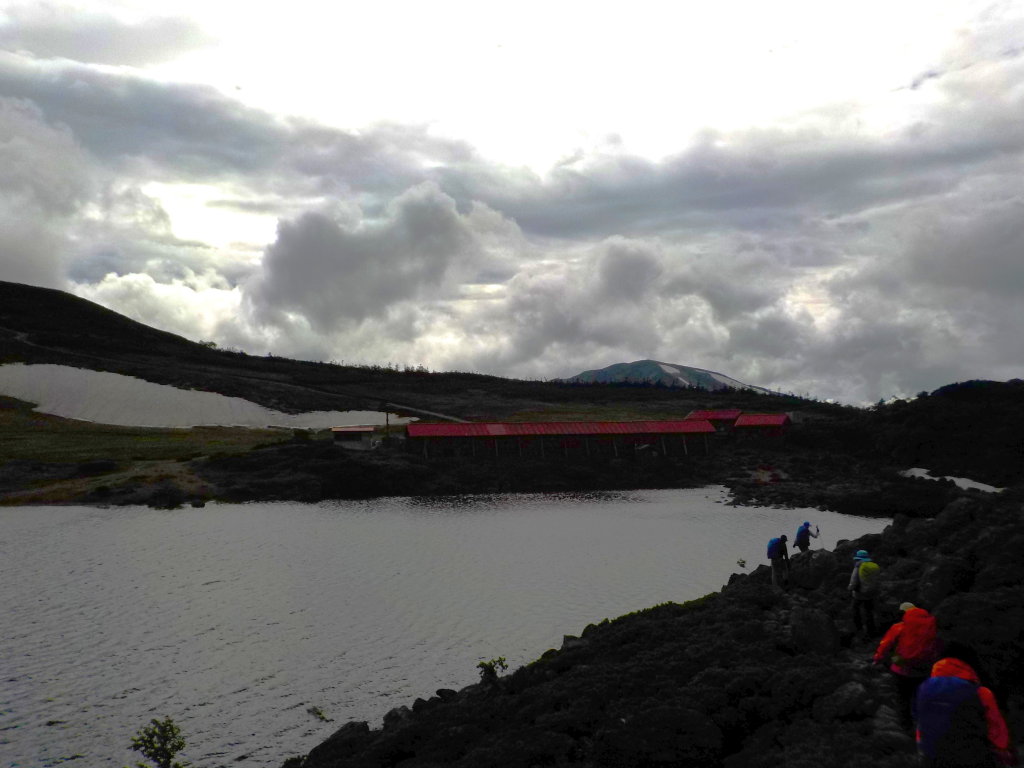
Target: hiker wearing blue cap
[803,536]
[864,587]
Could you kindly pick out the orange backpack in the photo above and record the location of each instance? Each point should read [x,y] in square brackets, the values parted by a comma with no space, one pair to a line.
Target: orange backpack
[918,642]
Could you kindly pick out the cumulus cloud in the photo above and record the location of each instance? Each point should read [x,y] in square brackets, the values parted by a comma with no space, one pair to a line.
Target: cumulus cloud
[814,256]
[60,31]
[333,272]
[44,180]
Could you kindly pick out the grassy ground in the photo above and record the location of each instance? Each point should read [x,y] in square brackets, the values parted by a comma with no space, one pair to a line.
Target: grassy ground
[29,436]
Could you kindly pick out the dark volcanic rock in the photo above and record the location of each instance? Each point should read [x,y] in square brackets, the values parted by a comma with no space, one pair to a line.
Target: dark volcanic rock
[943,577]
[750,676]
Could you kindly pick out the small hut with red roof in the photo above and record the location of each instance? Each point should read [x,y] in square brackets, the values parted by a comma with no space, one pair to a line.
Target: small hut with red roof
[766,424]
[722,420]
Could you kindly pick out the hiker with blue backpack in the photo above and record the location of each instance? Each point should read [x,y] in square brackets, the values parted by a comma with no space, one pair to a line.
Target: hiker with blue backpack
[804,535]
[779,556]
[864,587]
[959,724]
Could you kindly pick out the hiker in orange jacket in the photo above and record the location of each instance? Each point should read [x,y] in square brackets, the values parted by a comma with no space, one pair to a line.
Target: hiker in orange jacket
[959,724]
[910,648]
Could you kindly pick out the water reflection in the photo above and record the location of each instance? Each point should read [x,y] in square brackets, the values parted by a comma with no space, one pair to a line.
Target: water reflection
[235,620]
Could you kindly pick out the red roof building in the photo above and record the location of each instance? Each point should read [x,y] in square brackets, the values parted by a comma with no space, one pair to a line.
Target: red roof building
[538,438]
[531,428]
[774,424]
[722,420]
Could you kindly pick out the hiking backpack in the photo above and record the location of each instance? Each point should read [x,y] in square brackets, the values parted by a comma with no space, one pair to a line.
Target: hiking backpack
[774,548]
[868,575]
[803,537]
[918,646]
[951,722]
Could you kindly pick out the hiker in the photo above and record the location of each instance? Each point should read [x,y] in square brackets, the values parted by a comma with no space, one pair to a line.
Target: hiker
[779,556]
[864,586]
[958,720]
[803,536]
[910,648]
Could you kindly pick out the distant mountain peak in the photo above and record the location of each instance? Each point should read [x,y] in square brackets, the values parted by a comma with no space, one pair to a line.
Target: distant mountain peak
[666,374]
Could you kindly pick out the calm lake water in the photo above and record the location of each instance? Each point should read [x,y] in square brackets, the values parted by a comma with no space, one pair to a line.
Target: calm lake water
[235,620]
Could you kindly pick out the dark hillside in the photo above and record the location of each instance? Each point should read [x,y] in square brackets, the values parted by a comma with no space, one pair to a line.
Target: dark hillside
[39,325]
[836,457]
[973,429]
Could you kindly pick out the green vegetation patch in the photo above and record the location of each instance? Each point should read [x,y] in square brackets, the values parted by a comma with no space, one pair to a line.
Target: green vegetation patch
[30,436]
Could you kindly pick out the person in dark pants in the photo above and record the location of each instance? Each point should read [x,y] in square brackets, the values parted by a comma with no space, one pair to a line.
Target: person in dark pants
[863,587]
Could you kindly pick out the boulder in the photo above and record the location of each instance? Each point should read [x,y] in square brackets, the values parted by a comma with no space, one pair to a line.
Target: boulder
[811,631]
[957,515]
[810,570]
[341,744]
[888,734]
[921,533]
[942,578]
[660,736]
[850,701]
[989,622]
[397,717]
[891,595]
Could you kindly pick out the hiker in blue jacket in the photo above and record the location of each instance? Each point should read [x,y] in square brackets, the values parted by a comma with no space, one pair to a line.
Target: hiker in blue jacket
[804,535]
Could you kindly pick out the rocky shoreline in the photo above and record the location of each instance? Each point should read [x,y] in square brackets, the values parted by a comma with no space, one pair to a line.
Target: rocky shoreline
[748,676]
[304,470]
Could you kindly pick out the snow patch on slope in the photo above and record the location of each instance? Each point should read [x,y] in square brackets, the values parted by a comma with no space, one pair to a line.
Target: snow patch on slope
[961,482]
[110,398]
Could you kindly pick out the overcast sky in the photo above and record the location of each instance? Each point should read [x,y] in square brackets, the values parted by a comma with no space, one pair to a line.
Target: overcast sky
[822,198]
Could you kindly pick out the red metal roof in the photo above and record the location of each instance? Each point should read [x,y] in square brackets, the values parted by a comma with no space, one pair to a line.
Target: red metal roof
[726,415]
[762,420]
[527,428]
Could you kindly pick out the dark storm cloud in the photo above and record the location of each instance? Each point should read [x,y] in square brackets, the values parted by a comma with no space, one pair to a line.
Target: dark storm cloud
[757,180]
[56,31]
[194,133]
[978,250]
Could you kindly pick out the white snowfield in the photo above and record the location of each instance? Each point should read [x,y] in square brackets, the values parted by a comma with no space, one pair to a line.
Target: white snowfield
[720,378]
[961,482]
[110,398]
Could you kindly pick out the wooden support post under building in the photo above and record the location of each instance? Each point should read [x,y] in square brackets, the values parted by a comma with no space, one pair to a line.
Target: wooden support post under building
[663,451]
[496,449]
[425,448]
[686,451]
[615,445]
